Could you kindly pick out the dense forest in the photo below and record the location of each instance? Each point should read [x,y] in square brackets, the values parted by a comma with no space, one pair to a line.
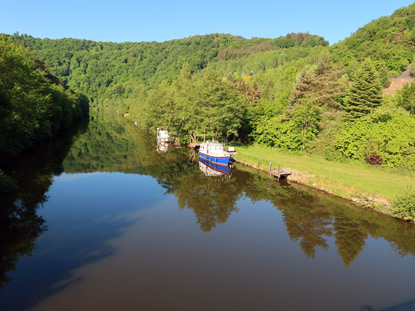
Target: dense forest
[294,93]
[34,103]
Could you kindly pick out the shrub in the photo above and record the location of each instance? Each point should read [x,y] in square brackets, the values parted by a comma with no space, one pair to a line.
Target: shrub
[388,132]
[374,159]
[404,205]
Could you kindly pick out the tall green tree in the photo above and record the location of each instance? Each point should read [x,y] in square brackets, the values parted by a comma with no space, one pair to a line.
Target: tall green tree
[365,92]
[187,112]
[160,107]
[323,85]
[405,98]
[222,107]
[306,117]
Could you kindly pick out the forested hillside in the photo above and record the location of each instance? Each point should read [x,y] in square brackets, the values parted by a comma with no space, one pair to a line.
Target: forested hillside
[389,41]
[34,103]
[294,93]
[115,72]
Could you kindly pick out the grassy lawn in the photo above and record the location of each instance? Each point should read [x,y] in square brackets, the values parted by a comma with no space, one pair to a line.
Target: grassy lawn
[344,179]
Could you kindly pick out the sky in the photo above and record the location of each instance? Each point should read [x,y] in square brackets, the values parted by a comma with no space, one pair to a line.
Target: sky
[161,20]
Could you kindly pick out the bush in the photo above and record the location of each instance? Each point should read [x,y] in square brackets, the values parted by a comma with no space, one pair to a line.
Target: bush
[324,144]
[404,205]
[374,159]
[388,132]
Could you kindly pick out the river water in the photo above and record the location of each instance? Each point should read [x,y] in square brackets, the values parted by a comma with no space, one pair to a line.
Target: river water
[105,220]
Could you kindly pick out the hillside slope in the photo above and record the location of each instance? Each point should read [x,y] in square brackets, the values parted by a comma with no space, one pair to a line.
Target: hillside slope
[106,70]
[390,41]
[34,104]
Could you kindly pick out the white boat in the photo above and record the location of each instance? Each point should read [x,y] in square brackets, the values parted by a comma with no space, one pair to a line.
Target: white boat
[214,152]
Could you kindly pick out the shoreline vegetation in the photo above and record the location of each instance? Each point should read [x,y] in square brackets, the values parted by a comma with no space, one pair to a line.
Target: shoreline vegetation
[35,106]
[376,188]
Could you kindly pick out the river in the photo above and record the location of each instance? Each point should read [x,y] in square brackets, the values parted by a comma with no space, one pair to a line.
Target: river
[106,221]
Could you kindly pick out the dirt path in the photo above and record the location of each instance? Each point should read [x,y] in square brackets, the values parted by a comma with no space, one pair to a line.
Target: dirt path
[399,82]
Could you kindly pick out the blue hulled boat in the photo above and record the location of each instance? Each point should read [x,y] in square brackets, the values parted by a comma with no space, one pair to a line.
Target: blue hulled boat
[214,153]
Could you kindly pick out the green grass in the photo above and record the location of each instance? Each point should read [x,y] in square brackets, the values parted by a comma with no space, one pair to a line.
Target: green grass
[348,180]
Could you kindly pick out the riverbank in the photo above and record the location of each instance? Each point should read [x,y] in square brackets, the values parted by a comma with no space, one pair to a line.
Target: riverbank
[367,186]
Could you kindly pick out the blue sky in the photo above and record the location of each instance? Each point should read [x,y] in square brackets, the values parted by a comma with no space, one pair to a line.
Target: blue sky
[160,20]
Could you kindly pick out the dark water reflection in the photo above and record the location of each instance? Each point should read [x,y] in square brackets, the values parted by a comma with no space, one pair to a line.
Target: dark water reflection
[20,224]
[133,228]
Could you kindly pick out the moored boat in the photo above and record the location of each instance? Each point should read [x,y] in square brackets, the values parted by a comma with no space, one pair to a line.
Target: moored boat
[214,152]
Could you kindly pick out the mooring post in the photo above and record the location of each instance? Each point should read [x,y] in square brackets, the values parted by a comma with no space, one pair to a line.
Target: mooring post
[279,173]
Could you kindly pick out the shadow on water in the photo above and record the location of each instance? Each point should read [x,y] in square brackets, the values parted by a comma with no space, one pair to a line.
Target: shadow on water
[77,251]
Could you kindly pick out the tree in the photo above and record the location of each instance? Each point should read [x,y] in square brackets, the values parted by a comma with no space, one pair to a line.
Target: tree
[34,104]
[187,112]
[365,92]
[388,132]
[306,117]
[160,107]
[405,98]
[323,85]
[222,107]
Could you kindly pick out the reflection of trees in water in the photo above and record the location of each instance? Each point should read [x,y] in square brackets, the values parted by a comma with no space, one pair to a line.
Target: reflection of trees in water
[309,216]
[111,144]
[313,216]
[19,229]
[20,226]
[212,199]
[303,217]
[105,146]
[350,236]
[309,225]
[305,221]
